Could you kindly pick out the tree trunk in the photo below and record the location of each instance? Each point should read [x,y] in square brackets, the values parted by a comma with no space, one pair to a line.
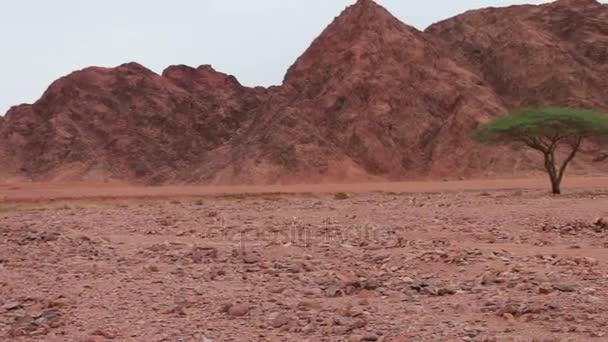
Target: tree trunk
[554,177]
[548,149]
[556,186]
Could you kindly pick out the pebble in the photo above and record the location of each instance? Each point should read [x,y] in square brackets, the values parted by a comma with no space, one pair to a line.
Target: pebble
[251,258]
[12,305]
[562,287]
[370,337]
[104,333]
[278,320]
[238,310]
[355,338]
[488,278]
[545,288]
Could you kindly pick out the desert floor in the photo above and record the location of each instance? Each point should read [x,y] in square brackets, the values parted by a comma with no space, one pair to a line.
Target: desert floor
[437,261]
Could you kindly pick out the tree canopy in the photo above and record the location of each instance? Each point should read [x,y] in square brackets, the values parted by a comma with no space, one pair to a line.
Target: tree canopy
[541,125]
[545,129]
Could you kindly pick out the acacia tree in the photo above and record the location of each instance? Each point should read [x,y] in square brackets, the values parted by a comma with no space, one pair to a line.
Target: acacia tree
[547,130]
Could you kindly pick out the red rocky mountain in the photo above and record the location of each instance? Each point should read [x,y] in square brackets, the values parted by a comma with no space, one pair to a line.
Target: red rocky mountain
[551,54]
[372,98]
[126,123]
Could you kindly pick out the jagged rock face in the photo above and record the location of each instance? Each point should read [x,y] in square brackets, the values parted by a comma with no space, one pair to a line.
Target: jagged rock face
[552,54]
[372,98]
[125,123]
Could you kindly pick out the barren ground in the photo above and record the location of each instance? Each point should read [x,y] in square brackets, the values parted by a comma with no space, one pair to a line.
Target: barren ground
[446,261]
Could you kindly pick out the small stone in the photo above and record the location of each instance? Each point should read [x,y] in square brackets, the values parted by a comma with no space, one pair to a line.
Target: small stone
[342,321]
[488,278]
[370,337]
[308,305]
[601,222]
[371,284]
[358,324]
[250,258]
[12,305]
[60,302]
[591,261]
[545,288]
[152,268]
[364,302]
[278,320]
[430,290]
[355,338]
[446,290]
[309,329]
[313,292]
[407,280]
[509,317]
[238,310]
[47,315]
[332,291]
[176,309]
[288,293]
[589,290]
[356,312]
[526,318]
[104,333]
[225,307]
[564,287]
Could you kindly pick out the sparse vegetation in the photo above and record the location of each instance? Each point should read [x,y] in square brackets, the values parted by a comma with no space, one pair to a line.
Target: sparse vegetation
[547,130]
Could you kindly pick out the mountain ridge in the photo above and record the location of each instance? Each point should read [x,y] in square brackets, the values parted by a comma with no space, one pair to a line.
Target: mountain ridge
[371,99]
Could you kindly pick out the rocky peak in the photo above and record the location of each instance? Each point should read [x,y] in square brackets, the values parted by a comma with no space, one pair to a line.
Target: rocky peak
[364,32]
[133,67]
[365,15]
[183,75]
[576,3]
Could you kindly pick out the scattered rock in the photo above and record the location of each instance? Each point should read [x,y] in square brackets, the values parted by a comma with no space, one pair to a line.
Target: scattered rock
[307,305]
[509,317]
[355,338]
[152,268]
[563,287]
[546,288]
[340,196]
[238,310]
[446,290]
[601,223]
[370,337]
[309,329]
[359,324]
[251,258]
[177,309]
[104,333]
[488,278]
[12,305]
[333,291]
[278,320]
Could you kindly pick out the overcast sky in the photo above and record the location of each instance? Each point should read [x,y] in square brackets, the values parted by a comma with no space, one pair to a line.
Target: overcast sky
[255,40]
